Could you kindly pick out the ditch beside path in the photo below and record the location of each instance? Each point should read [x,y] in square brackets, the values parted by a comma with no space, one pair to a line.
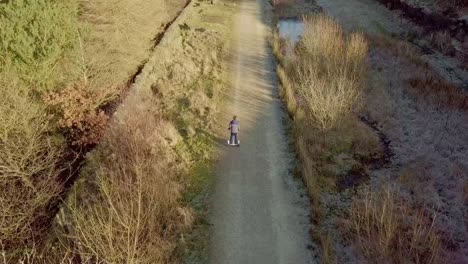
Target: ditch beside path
[260,212]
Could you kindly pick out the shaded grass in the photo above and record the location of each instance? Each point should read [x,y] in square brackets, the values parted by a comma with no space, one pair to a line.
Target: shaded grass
[390,231]
[425,84]
[330,140]
[386,228]
[198,194]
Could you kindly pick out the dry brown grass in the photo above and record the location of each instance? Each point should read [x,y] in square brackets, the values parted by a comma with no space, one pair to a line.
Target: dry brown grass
[322,60]
[388,230]
[131,204]
[398,48]
[331,71]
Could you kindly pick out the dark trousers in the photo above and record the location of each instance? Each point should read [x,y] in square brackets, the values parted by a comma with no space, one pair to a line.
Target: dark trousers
[233,139]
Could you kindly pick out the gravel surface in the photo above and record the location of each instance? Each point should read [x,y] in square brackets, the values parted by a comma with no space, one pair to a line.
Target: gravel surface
[260,211]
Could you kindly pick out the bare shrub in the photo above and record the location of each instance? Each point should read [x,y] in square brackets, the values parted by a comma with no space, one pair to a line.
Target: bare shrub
[322,85]
[331,70]
[388,229]
[78,110]
[129,210]
[29,169]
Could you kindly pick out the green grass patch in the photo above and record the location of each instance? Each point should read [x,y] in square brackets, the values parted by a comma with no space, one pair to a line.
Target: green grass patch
[37,37]
[197,195]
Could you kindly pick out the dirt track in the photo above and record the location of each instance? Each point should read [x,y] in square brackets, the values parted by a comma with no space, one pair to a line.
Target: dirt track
[260,212]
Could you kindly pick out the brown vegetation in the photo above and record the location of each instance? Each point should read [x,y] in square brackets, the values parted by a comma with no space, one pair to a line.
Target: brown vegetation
[293,8]
[77,108]
[439,92]
[452,3]
[390,231]
[329,137]
[384,225]
[62,61]
[29,169]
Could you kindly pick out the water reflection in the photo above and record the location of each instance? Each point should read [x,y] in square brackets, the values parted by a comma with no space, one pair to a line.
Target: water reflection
[290,29]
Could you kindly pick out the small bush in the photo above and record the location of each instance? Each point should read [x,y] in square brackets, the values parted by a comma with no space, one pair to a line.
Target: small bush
[331,71]
[79,115]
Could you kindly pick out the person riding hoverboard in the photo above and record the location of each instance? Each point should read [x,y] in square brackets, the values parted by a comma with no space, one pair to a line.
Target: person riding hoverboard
[234,126]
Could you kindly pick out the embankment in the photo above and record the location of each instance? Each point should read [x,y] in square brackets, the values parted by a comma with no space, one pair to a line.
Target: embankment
[148,180]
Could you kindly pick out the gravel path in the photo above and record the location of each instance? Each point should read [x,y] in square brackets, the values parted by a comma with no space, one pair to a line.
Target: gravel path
[260,212]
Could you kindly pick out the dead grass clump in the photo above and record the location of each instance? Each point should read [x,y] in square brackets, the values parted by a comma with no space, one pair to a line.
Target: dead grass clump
[286,91]
[331,71]
[418,177]
[29,170]
[439,92]
[388,230]
[327,256]
[442,40]
[130,210]
[398,48]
